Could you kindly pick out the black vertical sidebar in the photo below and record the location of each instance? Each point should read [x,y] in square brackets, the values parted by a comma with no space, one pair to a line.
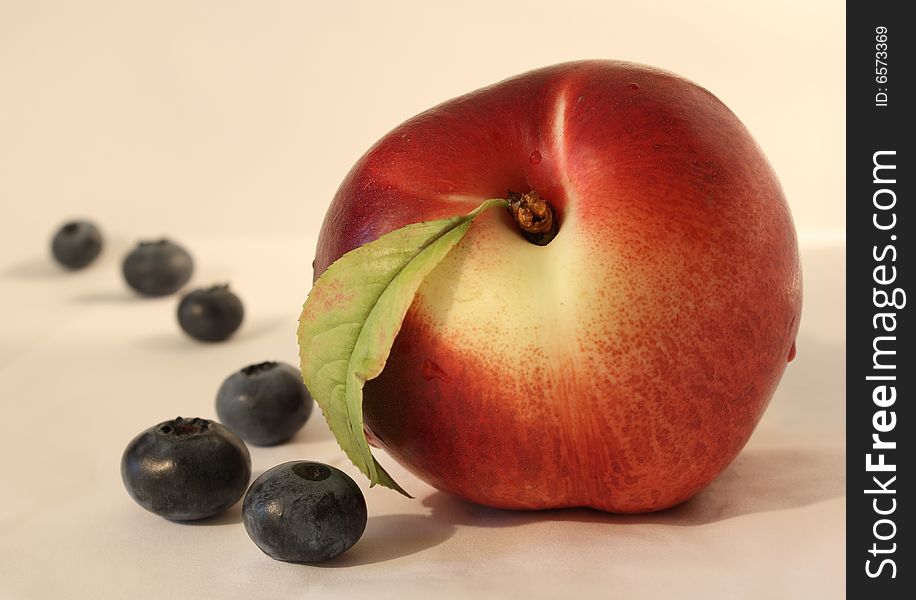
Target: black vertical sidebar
[880,269]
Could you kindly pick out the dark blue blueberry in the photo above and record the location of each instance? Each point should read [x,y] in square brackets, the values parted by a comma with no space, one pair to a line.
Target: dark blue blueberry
[186,469]
[210,314]
[76,244]
[264,404]
[158,268]
[304,512]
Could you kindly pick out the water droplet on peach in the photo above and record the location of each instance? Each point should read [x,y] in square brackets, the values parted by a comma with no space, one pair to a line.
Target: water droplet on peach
[535,157]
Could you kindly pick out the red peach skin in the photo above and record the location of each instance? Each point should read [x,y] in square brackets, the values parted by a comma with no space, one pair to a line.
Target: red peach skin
[625,364]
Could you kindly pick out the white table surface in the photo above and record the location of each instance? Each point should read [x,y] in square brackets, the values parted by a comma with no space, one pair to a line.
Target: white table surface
[85,365]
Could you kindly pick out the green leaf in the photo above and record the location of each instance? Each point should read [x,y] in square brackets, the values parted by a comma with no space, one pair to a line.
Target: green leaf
[354,313]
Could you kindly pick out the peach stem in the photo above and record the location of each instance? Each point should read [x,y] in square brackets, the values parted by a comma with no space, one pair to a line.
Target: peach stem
[535,217]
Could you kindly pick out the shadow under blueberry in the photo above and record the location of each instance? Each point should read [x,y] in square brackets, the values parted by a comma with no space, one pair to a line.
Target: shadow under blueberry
[43,266]
[388,537]
[231,516]
[314,432]
[119,296]
[37,268]
[260,326]
[176,339]
[758,481]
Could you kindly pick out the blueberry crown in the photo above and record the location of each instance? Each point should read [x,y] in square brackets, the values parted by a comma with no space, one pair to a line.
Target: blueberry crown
[180,426]
[259,368]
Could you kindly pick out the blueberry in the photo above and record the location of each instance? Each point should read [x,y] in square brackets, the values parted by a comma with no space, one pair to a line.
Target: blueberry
[264,404]
[158,268]
[210,314]
[186,469]
[76,244]
[304,512]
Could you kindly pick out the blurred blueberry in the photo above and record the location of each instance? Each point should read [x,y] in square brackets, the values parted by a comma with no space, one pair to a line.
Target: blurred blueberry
[210,314]
[158,268]
[76,244]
